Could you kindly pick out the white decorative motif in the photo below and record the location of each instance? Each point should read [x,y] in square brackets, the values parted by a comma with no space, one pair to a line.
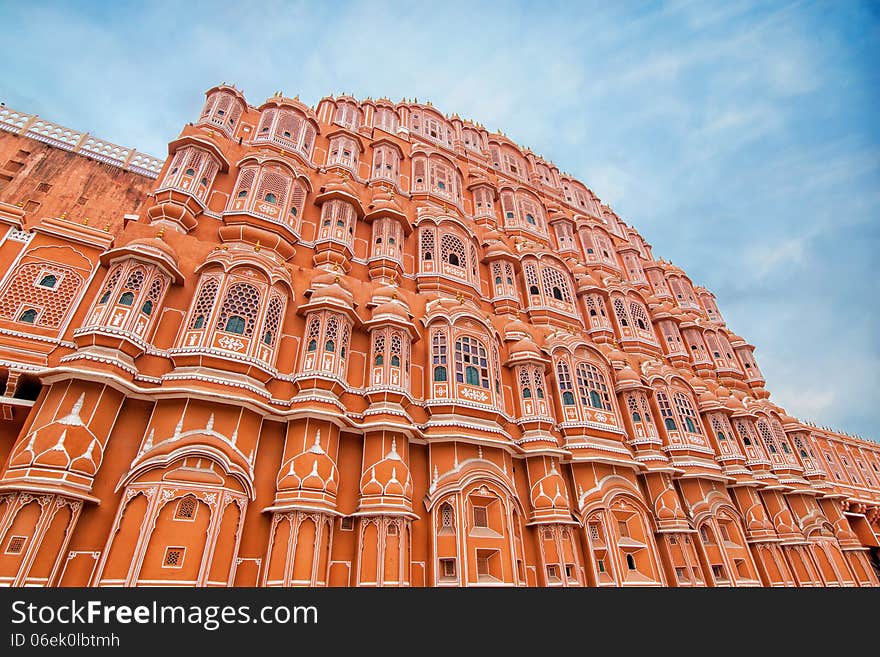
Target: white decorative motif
[22,236]
[476,395]
[232,344]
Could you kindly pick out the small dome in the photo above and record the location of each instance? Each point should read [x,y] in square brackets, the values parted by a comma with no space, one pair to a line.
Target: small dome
[334,292]
[734,404]
[549,492]
[497,249]
[707,397]
[390,308]
[524,346]
[628,375]
[516,328]
[312,469]
[388,476]
[616,354]
[66,443]
[152,243]
[323,277]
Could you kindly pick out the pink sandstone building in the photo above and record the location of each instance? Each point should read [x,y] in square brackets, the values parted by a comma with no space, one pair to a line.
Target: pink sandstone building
[370,344]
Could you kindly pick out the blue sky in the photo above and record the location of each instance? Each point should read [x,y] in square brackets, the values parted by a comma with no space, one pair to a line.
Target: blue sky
[741,138]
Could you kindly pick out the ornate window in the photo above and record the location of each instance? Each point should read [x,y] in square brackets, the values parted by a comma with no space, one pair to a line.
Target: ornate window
[696,346]
[269,191]
[671,337]
[222,109]
[288,128]
[192,170]
[475,374]
[272,322]
[386,163]
[387,239]
[439,364]
[683,292]
[436,176]
[658,282]
[235,313]
[591,401]
[344,151]
[471,140]
[483,202]
[622,315]
[666,411]
[523,212]
[337,222]
[503,280]
[634,270]
[24,299]
[129,297]
[238,313]
[471,362]
[640,413]
[204,305]
[390,358]
[431,127]
[443,251]
[548,286]
[592,389]
[564,236]
[596,313]
[640,322]
[690,420]
[386,119]
[325,349]
[347,115]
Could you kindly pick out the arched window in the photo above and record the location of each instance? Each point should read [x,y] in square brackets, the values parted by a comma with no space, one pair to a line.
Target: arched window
[556,284]
[686,412]
[49,280]
[272,321]
[563,377]
[620,312]
[238,314]
[452,250]
[640,318]
[326,343]
[195,165]
[337,221]
[28,316]
[147,308]
[666,411]
[235,324]
[592,389]
[126,299]
[343,151]
[386,163]
[438,355]
[471,362]
[205,300]
[447,516]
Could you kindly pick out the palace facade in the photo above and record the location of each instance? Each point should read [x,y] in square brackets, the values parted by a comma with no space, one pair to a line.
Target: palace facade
[369,344]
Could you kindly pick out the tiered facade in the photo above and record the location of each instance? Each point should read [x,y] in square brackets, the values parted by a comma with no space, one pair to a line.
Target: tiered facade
[367,344]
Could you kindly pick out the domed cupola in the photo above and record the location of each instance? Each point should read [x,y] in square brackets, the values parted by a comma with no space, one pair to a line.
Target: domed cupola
[64,453]
[386,486]
[309,478]
[549,494]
